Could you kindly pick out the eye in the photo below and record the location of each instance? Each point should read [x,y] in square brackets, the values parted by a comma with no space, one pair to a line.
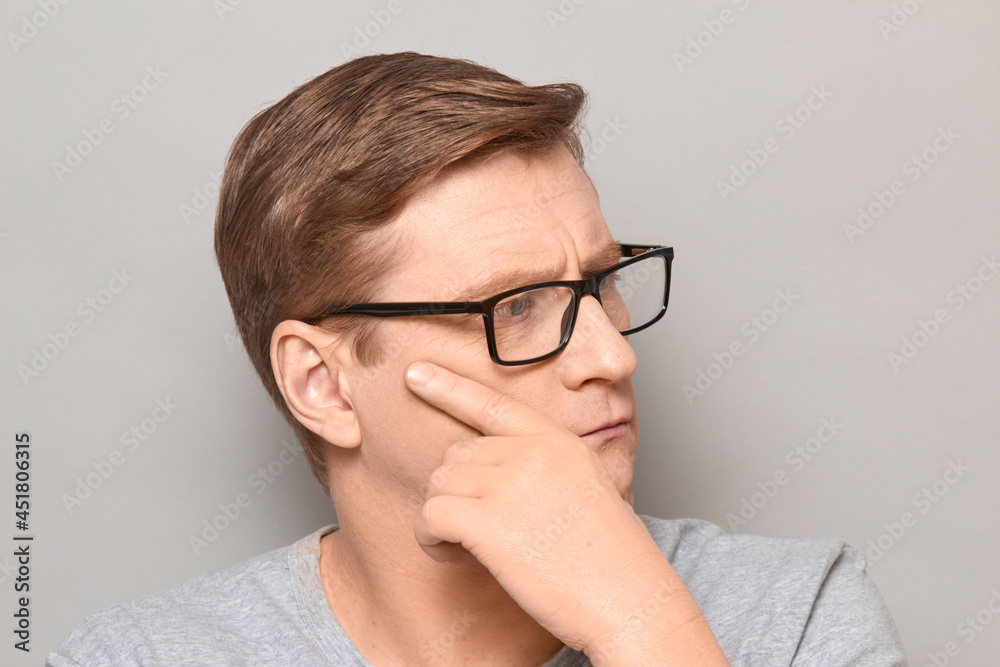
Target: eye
[513,307]
[607,281]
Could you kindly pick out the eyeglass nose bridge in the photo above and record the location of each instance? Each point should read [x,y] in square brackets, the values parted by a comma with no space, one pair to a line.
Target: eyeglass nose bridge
[590,287]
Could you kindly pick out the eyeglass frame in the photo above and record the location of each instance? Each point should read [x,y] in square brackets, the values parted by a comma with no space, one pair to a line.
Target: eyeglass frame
[580,288]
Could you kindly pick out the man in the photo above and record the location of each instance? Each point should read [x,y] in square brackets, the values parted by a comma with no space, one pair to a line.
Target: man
[421,274]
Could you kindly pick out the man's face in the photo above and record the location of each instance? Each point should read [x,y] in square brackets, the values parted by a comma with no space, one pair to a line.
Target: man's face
[478,231]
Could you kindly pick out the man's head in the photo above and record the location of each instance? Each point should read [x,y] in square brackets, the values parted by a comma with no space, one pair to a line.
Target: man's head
[412,178]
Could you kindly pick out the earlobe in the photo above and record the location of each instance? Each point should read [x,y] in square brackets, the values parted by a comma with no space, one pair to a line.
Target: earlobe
[313,380]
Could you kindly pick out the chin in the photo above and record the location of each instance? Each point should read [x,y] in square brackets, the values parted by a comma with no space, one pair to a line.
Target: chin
[620,464]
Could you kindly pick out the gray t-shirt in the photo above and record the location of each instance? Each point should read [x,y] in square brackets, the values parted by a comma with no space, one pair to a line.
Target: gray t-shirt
[769,601]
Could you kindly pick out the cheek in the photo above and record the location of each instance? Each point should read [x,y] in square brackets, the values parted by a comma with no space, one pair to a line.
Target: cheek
[405,437]
[538,386]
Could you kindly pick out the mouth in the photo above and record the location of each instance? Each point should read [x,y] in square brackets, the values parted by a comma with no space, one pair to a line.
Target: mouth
[614,428]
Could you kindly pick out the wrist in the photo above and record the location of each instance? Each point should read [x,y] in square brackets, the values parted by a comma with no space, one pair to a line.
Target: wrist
[659,623]
[635,626]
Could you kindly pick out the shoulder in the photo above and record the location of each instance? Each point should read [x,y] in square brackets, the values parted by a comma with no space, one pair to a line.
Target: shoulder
[218,610]
[701,551]
[773,600]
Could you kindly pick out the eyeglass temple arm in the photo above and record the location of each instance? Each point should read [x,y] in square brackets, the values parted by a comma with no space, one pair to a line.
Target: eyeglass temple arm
[410,308]
[434,308]
[632,249]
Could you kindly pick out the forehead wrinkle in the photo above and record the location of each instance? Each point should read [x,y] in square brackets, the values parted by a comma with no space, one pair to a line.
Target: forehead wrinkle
[463,210]
[501,279]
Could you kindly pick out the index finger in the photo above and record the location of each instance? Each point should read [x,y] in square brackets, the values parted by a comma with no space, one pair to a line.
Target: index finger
[486,410]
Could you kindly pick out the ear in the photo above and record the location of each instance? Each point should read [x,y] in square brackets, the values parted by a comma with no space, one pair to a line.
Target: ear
[310,368]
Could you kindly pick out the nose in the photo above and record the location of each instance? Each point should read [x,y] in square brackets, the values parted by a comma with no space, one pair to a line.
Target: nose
[596,350]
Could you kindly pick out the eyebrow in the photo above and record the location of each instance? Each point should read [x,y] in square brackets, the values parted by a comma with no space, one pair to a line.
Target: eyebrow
[502,280]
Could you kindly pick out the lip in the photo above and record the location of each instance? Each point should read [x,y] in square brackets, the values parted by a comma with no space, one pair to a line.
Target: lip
[612,429]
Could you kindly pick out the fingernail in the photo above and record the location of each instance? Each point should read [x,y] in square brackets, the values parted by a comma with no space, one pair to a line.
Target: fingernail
[419,373]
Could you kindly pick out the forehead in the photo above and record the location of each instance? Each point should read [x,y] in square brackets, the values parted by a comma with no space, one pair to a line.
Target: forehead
[507,214]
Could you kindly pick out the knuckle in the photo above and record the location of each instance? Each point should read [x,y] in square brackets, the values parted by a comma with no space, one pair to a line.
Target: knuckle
[460,451]
[438,478]
[497,408]
[453,388]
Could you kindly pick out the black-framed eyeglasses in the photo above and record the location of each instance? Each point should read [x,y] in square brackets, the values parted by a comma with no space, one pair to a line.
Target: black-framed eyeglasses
[533,323]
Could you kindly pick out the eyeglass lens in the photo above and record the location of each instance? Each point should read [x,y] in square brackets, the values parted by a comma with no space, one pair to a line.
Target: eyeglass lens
[533,323]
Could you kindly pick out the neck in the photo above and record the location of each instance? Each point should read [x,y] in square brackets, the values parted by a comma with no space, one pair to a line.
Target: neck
[396,603]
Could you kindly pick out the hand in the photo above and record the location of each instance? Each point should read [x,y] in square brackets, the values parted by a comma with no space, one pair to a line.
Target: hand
[535,505]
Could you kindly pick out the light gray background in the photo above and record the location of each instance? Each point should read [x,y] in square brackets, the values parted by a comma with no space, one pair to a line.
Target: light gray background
[169,333]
